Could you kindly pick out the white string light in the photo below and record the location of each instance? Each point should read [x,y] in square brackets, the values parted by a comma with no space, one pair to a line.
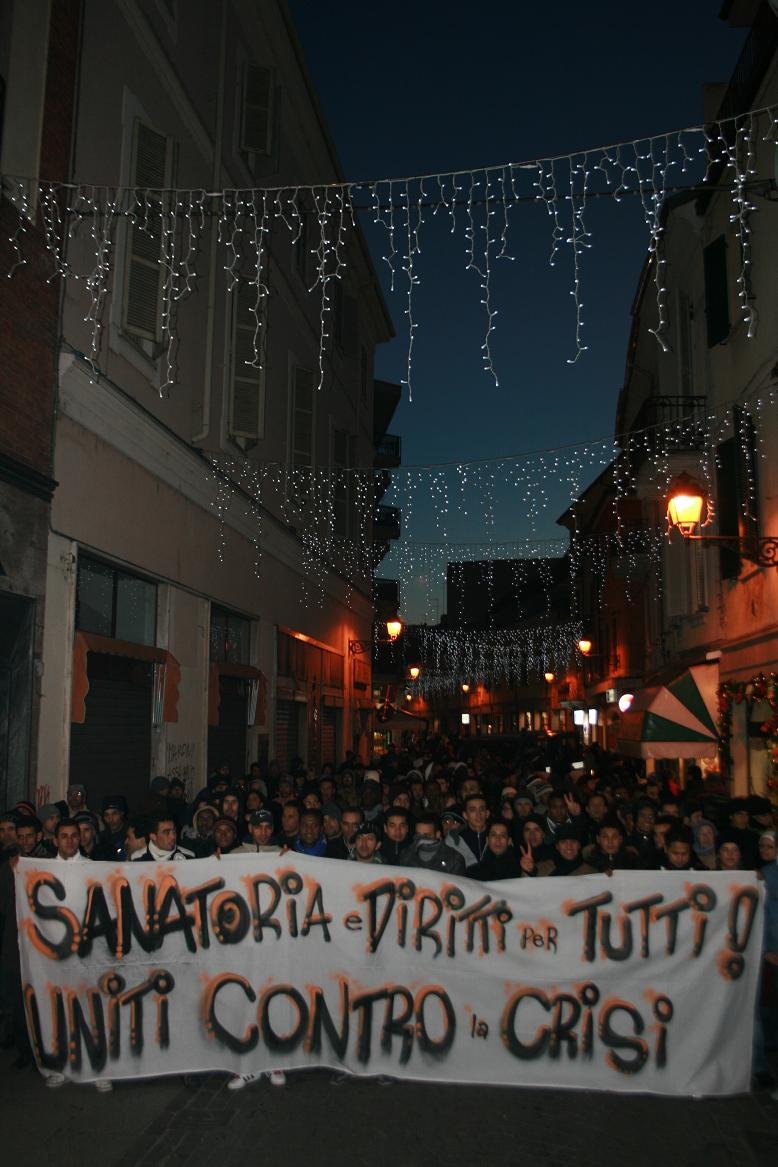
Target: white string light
[718,157]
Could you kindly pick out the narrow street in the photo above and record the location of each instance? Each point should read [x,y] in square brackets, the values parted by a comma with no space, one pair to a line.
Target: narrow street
[166,1123]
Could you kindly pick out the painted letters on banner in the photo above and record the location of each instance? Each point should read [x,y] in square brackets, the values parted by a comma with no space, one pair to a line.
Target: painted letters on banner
[640,982]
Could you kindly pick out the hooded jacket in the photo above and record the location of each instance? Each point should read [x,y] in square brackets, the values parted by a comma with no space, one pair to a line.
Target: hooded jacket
[433,854]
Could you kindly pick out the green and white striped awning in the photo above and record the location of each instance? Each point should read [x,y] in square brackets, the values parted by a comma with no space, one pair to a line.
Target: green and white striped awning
[676,720]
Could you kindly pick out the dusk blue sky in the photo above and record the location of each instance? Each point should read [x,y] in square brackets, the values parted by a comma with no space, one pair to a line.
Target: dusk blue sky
[414,87]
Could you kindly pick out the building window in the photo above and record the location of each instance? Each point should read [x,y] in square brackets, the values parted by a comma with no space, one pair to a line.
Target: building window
[152,173]
[716,291]
[301,444]
[113,603]
[257,115]
[230,637]
[247,381]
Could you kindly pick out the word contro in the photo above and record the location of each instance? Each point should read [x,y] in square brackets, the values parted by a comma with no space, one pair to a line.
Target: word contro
[407,1016]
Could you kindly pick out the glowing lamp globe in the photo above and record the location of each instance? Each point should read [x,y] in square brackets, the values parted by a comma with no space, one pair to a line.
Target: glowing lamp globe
[549,677]
[394,628]
[685,503]
[414,671]
[465,687]
[584,647]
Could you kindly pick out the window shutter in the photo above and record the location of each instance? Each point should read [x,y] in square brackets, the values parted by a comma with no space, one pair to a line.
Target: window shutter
[302,418]
[685,346]
[143,281]
[726,482]
[247,382]
[716,291]
[257,121]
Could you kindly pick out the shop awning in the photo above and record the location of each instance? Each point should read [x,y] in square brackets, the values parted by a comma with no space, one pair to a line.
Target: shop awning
[674,721]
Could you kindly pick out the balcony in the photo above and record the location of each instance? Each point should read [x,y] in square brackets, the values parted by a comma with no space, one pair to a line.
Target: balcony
[386,594]
[386,524]
[663,425]
[388,452]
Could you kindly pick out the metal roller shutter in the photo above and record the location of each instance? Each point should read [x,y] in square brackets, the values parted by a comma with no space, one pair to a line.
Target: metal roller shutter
[287,731]
[227,740]
[111,752]
[329,735]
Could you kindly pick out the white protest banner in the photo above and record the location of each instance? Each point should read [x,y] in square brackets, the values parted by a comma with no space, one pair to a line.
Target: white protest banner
[644,981]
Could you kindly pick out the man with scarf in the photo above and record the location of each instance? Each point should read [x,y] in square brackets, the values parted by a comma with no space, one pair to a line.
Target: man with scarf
[162,841]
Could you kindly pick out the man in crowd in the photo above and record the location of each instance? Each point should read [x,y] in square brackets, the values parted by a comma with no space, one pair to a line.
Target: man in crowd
[350,820]
[310,840]
[290,823]
[427,848]
[499,860]
[396,834]
[29,838]
[367,844]
[68,840]
[137,838]
[87,829]
[262,836]
[333,835]
[470,840]
[49,817]
[114,814]
[162,846]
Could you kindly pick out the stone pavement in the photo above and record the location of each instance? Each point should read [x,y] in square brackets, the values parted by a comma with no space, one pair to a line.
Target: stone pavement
[313,1123]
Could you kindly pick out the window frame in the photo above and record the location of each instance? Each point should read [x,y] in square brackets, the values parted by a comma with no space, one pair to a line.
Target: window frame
[117,573]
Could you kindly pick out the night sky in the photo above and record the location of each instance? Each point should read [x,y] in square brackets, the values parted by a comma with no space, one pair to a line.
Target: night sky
[416,87]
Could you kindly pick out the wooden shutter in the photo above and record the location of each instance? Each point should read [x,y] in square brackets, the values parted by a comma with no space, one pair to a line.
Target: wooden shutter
[143,280]
[247,383]
[302,418]
[257,120]
[716,291]
[726,481]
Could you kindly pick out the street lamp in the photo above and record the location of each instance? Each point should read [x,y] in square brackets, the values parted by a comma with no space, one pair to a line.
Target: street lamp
[549,676]
[413,672]
[688,507]
[465,687]
[584,646]
[393,629]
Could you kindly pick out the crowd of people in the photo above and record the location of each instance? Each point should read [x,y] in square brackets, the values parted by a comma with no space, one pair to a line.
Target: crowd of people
[436,805]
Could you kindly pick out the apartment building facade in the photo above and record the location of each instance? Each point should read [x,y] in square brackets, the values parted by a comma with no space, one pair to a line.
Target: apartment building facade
[187,623]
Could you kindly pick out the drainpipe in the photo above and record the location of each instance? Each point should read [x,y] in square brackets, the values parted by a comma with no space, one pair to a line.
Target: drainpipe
[216,178]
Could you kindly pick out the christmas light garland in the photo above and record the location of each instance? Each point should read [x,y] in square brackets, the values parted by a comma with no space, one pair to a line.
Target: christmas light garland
[257,226]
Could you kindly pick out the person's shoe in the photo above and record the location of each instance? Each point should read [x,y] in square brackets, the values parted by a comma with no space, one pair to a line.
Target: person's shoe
[54,1081]
[238,1081]
[277,1078]
[103,1085]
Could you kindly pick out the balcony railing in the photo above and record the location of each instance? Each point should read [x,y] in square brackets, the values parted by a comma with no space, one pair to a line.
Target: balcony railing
[665,424]
[386,523]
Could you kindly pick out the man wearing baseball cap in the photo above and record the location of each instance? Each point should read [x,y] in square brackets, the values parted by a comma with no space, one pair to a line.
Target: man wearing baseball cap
[262,832]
